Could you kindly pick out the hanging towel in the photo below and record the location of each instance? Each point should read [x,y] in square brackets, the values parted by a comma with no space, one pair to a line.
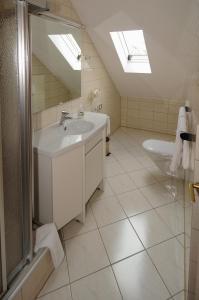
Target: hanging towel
[178,154]
[187,149]
[47,236]
[108,126]
[186,155]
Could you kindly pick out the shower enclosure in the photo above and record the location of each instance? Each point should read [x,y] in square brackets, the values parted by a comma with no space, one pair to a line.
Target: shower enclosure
[15,142]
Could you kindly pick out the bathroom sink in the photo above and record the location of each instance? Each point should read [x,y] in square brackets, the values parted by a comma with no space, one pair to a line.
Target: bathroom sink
[57,139]
[77,126]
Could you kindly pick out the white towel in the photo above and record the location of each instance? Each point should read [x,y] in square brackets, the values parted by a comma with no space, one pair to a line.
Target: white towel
[178,154]
[186,155]
[187,147]
[47,236]
[108,126]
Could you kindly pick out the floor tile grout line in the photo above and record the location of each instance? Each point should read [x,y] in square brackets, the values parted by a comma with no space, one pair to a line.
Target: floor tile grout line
[170,229]
[159,272]
[56,289]
[107,256]
[151,260]
[164,241]
[89,274]
[174,295]
[68,268]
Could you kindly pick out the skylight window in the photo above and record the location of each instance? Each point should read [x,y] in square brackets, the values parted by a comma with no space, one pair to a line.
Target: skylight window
[132,52]
[69,48]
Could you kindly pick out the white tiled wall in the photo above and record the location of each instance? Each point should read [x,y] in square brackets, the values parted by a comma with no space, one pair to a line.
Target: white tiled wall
[150,114]
[93,76]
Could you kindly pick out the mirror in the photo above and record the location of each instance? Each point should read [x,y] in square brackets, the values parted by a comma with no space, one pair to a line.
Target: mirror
[56,63]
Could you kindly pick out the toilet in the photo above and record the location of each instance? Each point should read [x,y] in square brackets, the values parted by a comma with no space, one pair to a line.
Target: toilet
[161,152]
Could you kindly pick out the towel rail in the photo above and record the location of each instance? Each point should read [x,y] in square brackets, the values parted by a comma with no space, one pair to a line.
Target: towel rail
[187,109]
[187,136]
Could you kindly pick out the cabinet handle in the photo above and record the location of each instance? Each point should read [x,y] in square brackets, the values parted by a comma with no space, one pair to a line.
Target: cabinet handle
[192,188]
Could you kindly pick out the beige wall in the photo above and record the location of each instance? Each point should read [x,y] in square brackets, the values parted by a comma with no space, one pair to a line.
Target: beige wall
[47,90]
[150,114]
[94,76]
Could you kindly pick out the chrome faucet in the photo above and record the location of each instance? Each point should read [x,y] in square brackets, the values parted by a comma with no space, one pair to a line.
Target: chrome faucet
[64,116]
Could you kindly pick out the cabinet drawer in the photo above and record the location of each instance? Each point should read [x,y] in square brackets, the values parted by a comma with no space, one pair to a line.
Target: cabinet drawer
[94,169]
[91,144]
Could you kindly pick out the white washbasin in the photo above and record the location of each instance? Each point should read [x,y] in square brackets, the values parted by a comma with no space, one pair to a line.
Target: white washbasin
[77,126]
[57,139]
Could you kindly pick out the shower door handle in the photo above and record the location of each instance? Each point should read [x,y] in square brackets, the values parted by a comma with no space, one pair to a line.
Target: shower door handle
[192,188]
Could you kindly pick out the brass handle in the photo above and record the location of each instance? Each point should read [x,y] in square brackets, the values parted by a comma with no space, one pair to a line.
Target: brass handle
[192,188]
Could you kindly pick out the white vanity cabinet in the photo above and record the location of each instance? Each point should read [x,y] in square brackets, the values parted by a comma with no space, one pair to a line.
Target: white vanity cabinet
[94,162]
[60,187]
[68,169]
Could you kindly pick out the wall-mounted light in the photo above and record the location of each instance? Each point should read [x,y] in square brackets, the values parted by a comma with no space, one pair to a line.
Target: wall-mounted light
[94,93]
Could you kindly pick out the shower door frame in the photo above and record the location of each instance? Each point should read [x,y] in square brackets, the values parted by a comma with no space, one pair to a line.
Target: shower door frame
[24,81]
[24,100]
[2,230]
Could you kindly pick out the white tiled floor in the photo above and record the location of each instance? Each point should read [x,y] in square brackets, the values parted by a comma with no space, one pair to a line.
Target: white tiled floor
[100,285]
[138,279]
[131,245]
[120,240]
[156,194]
[179,296]
[85,254]
[150,228]
[168,257]
[107,211]
[134,203]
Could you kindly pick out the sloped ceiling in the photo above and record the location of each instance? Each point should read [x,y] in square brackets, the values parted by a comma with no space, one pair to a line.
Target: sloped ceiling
[171,29]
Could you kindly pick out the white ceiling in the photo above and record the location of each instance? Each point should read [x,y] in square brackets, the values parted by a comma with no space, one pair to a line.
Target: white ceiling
[171,29]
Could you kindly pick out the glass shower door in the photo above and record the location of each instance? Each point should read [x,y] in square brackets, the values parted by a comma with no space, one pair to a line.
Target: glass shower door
[192,240]
[15,142]
[187,228]
[191,232]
